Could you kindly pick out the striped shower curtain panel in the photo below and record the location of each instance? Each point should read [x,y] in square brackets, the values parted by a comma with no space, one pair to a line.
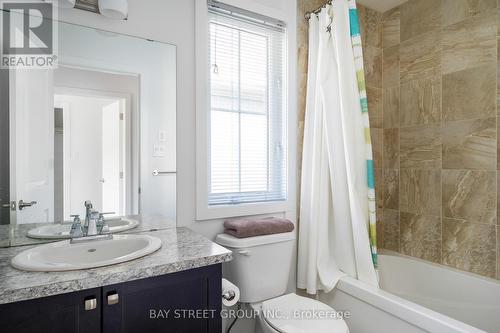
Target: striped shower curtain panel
[337,227]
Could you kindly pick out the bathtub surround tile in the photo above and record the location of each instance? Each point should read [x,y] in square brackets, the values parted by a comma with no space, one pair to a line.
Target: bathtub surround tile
[379,188]
[372,59]
[420,191]
[420,57]
[391,107]
[390,74]
[469,94]
[498,252]
[375,107]
[380,229]
[470,195]
[391,229]
[391,148]
[391,189]
[420,236]
[390,28]
[470,246]
[470,144]
[470,43]
[421,147]
[371,26]
[377,135]
[421,102]
[419,16]
[459,10]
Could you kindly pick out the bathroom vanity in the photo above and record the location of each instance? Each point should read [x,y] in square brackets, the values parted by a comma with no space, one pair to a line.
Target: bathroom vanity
[175,289]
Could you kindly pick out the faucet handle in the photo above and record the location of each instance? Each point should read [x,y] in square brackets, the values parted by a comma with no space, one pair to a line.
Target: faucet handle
[76,217]
[95,214]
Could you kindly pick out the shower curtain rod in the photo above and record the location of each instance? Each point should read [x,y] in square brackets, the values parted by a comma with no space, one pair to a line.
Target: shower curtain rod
[307,16]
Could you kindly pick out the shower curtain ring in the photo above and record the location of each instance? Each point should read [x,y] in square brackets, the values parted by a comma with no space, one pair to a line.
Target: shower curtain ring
[329,27]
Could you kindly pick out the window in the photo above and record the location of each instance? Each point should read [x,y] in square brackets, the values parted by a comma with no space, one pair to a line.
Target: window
[247,155]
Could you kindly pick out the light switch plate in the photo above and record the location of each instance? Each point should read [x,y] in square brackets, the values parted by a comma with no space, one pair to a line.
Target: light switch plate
[162,136]
[159,151]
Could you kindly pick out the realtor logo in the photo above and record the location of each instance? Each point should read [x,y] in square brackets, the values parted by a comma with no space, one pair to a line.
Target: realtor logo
[28,35]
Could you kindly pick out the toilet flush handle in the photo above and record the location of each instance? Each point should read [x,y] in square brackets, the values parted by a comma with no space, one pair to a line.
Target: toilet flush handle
[244,252]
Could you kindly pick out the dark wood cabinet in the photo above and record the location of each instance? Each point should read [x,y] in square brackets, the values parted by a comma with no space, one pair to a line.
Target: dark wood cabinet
[182,302]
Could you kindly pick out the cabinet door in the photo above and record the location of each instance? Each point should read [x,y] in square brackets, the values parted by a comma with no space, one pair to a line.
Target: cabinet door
[64,313]
[183,302]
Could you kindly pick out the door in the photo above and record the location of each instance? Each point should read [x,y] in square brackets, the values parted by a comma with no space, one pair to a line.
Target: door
[4,148]
[77,312]
[31,127]
[161,304]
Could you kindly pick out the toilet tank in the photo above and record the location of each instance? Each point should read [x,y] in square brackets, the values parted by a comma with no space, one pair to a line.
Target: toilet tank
[260,266]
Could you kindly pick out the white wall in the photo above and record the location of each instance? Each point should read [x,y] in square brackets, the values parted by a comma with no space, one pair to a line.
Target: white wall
[173,21]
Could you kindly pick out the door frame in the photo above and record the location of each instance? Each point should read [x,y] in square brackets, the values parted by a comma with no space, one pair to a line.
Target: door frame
[131,139]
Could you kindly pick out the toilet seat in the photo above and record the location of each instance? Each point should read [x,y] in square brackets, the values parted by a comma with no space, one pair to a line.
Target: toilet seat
[295,314]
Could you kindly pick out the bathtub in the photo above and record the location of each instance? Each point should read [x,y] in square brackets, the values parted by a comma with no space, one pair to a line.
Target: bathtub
[418,296]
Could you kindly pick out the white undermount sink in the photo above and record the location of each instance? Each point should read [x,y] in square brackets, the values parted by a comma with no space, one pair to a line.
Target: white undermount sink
[63,256]
[61,231]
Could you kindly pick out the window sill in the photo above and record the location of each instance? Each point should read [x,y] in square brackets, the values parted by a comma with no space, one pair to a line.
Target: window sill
[205,212]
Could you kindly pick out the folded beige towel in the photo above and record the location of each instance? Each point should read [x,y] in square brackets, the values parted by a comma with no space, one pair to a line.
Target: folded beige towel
[249,227]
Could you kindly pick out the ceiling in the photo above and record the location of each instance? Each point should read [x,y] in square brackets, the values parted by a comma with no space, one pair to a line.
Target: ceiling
[381,5]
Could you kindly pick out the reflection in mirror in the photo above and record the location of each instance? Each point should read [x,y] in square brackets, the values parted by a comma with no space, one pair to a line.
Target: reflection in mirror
[95,128]
[92,143]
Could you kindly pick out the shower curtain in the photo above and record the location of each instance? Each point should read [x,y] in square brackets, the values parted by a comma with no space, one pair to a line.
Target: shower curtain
[337,229]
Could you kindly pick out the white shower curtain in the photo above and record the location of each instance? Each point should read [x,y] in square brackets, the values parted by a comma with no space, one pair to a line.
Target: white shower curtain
[334,207]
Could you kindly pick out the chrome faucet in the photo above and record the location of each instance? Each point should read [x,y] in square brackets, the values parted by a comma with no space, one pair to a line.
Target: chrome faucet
[88,211]
[95,227]
[76,227]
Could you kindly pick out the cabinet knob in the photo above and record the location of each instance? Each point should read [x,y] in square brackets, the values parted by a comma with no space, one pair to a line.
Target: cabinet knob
[113,298]
[90,304]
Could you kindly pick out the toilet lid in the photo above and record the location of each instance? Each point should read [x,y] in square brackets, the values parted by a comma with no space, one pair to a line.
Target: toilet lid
[295,314]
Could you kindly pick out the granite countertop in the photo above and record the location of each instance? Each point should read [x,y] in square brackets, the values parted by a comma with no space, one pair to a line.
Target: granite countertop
[182,249]
[15,235]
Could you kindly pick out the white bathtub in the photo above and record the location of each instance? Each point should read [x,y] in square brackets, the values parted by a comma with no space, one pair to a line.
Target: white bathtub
[418,297]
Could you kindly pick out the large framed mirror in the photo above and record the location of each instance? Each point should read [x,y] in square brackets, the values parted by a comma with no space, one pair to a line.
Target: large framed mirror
[99,128]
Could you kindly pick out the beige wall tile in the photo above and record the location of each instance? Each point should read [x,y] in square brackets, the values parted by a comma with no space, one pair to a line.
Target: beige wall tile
[391,148]
[390,28]
[470,144]
[371,26]
[421,102]
[458,10]
[391,189]
[419,16]
[420,191]
[377,146]
[421,147]
[391,107]
[470,93]
[391,229]
[372,57]
[375,107]
[390,74]
[498,252]
[470,195]
[420,57]
[469,43]
[380,229]
[420,236]
[379,188]
[470,246]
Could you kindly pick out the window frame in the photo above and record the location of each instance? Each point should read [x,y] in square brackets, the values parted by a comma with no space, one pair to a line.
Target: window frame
[204,211]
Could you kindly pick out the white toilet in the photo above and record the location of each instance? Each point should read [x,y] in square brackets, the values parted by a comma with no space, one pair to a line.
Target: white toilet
[260,268]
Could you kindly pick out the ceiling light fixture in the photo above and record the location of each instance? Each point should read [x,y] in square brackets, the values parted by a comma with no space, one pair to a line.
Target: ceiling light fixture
[62,3]
[115,9]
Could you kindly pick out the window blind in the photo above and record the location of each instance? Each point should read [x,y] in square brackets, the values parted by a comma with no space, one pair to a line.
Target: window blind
[248,130]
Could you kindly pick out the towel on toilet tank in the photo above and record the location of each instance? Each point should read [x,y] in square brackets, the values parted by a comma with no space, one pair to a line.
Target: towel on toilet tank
[249,227]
